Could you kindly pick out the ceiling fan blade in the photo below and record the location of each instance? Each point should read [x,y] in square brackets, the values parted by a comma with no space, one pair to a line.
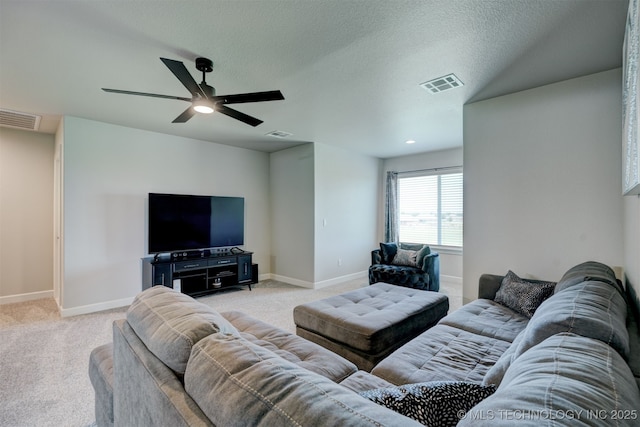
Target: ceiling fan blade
[272,95]
[181,72]
[252,121]
[153,95]
[186,115]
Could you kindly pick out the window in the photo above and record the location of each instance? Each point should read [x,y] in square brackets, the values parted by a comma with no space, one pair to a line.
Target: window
[430,209]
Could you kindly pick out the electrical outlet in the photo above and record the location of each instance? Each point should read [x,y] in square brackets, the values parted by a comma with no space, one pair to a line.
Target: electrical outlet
[339,261]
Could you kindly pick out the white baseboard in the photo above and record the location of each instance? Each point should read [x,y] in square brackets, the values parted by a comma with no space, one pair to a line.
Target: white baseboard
[316,285]
[451,279]
[11,299]
[265,276]
[92,308]
[291,281]
[341,279]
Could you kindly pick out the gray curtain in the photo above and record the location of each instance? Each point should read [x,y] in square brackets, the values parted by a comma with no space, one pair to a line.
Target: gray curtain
[391,208]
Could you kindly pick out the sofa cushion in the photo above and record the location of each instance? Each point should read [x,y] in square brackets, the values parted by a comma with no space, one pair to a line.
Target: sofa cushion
[169,323]
[363,381]
[291,347]
[592,309]
[236,382]
[443,353]
[409,277]
[435,404]
[587,271]
[565,380]
[521,295]
[488,318]
[496,372]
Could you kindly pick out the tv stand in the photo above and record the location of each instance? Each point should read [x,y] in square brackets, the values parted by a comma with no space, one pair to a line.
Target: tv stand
[201,276]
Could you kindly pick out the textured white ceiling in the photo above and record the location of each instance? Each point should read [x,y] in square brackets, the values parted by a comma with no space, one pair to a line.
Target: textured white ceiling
[349,69]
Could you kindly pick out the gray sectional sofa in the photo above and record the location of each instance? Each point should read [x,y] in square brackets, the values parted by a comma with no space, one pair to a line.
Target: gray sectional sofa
[176,362]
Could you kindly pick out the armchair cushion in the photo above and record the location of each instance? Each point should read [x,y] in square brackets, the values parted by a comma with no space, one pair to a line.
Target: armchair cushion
[412,265]
[407,254]
[388,252]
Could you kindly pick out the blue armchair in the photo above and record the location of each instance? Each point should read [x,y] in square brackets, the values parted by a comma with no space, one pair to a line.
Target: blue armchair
[425,275]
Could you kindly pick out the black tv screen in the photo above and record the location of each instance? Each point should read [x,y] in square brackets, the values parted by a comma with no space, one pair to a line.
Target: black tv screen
[184,222]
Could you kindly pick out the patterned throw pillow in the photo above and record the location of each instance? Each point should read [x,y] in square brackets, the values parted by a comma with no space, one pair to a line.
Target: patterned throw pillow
[521,295]
[405,257]
[437,403]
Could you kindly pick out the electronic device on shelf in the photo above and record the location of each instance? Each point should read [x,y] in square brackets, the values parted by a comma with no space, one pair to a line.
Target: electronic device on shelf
[187,226]
[194,242]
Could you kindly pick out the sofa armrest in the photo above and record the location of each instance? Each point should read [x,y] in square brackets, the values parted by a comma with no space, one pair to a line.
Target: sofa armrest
[431,266]
[147,391]
[376,257]
[488,286]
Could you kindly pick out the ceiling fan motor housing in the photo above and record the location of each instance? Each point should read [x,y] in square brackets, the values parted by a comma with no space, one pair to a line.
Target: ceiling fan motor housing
[204,64]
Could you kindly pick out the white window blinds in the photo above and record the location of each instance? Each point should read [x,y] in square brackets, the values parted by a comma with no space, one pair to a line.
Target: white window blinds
[430,209]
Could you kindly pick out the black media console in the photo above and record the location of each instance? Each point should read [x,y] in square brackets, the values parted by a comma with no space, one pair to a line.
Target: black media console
[199,276]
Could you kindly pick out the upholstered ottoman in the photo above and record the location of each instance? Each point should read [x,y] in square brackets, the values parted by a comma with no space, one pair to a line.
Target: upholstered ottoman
[366,325]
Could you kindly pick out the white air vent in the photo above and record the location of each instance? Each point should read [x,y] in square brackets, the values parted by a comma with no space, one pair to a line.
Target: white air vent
[279,134]
[450,81]
[16,119]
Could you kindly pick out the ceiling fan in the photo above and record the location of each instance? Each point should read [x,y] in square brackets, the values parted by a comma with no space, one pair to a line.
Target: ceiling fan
[203,97]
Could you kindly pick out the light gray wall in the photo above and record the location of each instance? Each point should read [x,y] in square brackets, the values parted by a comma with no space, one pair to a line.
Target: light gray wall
[543,180]
[26,211]
[450,262]
[291,183]
[632,243]
[346,213]
[109,171]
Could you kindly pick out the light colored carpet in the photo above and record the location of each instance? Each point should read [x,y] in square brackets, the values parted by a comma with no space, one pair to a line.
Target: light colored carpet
[44,359]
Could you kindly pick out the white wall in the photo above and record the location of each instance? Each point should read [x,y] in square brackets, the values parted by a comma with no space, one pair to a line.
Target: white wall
[109,171]
[292,215]
[543,180]
[450,262]
[632,243]
[26,226]
[346,213]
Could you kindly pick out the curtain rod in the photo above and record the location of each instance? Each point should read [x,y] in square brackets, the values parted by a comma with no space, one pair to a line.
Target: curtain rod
[433,169]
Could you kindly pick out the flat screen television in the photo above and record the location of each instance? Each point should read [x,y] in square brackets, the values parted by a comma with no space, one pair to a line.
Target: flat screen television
[180,222]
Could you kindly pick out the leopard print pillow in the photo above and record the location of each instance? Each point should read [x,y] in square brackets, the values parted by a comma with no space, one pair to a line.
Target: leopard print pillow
[436,403]
[521,295]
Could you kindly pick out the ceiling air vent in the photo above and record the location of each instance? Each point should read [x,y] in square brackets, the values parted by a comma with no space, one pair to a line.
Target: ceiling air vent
[450,81]
[279,134]
[16,119]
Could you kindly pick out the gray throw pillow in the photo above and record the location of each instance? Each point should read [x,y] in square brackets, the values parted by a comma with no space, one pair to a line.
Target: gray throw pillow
[436,403]
[422,254]
[521,295]
[405,257]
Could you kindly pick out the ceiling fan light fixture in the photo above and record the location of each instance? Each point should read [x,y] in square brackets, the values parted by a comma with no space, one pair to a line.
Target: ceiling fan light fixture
[203,106]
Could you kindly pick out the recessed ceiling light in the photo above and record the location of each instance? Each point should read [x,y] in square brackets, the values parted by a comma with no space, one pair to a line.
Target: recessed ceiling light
[410,141]
[450,81]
